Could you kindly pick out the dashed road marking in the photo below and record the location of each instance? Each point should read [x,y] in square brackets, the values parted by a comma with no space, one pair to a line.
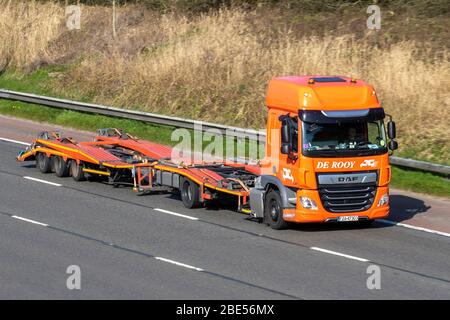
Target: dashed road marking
[15,141]
[179,264]
[339,254]
[43,181]
[176,214]
[414,227]
[29,220]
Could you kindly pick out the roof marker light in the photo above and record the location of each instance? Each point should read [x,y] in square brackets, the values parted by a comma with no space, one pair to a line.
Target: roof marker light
[311,81]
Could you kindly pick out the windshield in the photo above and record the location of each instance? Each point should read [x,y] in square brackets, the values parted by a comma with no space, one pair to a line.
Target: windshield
[364,137]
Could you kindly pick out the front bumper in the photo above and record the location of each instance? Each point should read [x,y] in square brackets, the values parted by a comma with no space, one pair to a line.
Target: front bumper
[302,215]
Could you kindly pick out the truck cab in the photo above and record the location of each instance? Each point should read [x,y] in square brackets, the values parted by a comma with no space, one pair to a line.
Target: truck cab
[326,156]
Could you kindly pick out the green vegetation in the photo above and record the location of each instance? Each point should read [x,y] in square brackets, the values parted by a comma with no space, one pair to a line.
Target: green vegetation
[36,82]
[420,182]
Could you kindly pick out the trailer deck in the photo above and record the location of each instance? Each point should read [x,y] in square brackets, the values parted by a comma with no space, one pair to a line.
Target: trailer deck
[146,166]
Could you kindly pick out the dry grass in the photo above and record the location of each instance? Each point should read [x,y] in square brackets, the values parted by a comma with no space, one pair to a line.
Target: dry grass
[215,67]
[26,29]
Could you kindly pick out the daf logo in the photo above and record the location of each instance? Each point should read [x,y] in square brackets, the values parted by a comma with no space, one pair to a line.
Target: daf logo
[367,177]
[348,179]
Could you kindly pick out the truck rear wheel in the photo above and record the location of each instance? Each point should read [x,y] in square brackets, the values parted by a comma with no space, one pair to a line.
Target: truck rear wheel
[76,170]
[44,163]
[61,167]
[190,193]
[273,211]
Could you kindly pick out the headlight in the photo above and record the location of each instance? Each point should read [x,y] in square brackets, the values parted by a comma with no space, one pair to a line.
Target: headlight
[308,203]
[384,200]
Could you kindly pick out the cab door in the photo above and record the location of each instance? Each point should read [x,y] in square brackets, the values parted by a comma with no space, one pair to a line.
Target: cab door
[289,148]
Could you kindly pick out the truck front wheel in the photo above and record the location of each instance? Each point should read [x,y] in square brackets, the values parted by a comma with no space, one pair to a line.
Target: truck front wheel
[273,211]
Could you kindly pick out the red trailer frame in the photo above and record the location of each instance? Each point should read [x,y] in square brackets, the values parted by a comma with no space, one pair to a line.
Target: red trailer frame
[146,166]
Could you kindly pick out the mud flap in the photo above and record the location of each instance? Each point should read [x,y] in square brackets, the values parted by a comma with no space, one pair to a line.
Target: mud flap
[257,202]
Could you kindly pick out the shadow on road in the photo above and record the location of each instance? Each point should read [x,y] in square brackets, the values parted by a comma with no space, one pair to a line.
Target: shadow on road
[404,207]
[29,166]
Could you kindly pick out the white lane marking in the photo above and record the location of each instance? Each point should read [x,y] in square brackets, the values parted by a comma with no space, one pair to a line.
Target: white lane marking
[43,181]
[176,214]
[15,141]
[414,227]
[339,254]
[29,220]
[179,264]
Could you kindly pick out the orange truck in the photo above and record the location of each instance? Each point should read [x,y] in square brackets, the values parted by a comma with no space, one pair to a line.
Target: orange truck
[326,158]
[332,164]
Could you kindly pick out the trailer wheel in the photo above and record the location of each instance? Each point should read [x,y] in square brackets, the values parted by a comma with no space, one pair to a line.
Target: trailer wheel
[273,211]
[61,167]
[190,193]
[44,163]
[76,170]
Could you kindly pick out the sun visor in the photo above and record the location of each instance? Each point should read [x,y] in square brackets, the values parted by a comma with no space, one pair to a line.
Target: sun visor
[338,116]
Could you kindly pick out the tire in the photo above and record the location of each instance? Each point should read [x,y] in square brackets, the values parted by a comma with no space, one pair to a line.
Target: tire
[76,170]
[190,193]
[61,167]
[273,211]
[44,163]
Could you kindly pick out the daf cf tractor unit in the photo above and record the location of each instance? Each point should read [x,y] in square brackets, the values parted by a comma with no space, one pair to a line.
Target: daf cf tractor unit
[330,161]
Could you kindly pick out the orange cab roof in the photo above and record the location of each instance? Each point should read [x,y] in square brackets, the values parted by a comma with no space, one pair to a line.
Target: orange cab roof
[293,93]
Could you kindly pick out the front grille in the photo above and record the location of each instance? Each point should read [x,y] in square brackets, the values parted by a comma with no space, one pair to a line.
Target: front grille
[347,199]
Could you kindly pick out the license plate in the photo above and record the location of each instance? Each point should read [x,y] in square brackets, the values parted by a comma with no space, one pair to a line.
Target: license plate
[347,218]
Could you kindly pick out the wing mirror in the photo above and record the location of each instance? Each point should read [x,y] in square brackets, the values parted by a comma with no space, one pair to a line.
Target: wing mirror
[286,147]
[285,133]
[393,145]
[392,132]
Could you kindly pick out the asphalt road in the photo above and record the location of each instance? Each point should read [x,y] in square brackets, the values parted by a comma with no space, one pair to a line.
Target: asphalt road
[151,247]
